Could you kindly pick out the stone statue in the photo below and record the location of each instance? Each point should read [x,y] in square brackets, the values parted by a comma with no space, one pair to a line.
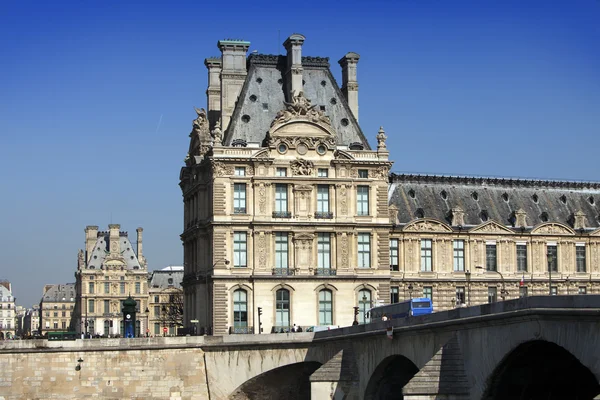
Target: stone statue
[217,134]
[200,123]
[300,107]
[381,137]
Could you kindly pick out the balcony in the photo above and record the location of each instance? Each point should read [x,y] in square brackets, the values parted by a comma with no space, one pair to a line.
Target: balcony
[283,271]
[282,214]
[325,272]
[241,330]
[323,215]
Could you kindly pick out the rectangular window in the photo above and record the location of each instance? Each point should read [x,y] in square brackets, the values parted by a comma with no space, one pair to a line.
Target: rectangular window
[322,172]
[323,198]
[157,311]
[363,173]
[426,255]
[281,172]
[138,287]
[580,257]
[428,292]
[156,299]
[325,308]
[490,257]
[552,257]
[91,287]
[523,291]
[394,294]
[394,255]
[55,324]
[281,250]
[521,258]
[553,291]
[240,171]
[91,306]
[460,295]
[281,198]
[239,198]
[492,294]
[157,328]
[324,250]
[364,250]
[55,313]
[362,200]
[240,249]
[459,255]
[106,306]
[106,287]
[122,287]
[582,290]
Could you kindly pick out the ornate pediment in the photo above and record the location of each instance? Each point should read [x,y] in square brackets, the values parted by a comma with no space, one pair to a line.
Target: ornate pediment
[427,225]
[490,227]
[303,237]
[595,233]
[300,108]
[552,229]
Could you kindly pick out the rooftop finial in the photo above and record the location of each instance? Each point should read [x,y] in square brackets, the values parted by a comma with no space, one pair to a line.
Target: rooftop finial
[381,137]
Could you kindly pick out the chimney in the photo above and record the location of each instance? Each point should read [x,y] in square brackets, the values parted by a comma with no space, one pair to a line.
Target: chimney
[113,238]
[349,81]
[213,92]
[139,242]
[293,71]
[580,220]
[520,218]
[233,75]
[91,235]
[458,216]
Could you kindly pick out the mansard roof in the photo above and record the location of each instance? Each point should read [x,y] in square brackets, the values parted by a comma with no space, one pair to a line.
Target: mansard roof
[64,292]
[263,95]
[165,278]
[494,199]
[102,249]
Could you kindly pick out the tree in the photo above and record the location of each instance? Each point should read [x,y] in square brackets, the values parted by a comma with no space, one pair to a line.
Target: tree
[172,307]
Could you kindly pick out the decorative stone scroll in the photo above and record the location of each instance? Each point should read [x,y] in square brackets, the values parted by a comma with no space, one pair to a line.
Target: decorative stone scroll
[300,107]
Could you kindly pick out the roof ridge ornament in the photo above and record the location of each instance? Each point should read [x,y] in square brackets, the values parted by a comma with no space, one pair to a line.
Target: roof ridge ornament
[300,108]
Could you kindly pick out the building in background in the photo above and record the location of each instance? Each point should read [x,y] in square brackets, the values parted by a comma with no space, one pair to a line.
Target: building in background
[7,311]
[165,301]
[57,308]
[291,217]
[108,271]
[20,312]
[31,322]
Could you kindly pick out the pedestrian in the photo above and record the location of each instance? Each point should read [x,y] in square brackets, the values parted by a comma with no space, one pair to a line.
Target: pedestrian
[295,328]
[384,317]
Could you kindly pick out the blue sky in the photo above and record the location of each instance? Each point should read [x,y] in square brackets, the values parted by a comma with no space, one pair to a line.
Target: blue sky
[96,103]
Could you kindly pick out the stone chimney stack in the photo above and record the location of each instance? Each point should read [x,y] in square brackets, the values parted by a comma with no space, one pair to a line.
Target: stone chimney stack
[293,71]
[213,92]
[520,218]
[113,238]
[91,235]
[580,220]
[349,81]
[139,242]
[233,75]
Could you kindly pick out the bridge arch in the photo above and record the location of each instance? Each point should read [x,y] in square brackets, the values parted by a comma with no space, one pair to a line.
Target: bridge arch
[389,377]
[287,382]
[540,369]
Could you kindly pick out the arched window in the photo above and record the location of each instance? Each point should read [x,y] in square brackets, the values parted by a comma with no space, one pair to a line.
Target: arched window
[364,305]
[106,328]
[282,309]
[325,307]
[240,309]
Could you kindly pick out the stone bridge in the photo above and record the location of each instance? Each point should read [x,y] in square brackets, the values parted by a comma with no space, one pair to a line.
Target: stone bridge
[535,347]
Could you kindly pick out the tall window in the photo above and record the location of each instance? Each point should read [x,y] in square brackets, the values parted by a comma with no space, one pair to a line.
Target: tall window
[363,173]
[239,249]
[122,287]
[322,172]
[91,287]
[281,250]
[106,306]
[426,255]
[325,307]
[323,198]
[580,257]
[490,257]
[157,328]
[106,287]
[394,294]
[552,257]
[521,257]
[459,255]
[138,287]
[91,306]
[364,305]
[460,295]
[282,308]
[324,250]
[492,294]
[364,250]
[240,309]
[428,292]
[394,255]
[281,201]
[362,200]
[239,198]
[106,328]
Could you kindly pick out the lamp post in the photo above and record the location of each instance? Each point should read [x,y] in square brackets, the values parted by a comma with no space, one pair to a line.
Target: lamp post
[147,322]
[206,305]
[410,289]
[503,289]
[468,278]
[551,259]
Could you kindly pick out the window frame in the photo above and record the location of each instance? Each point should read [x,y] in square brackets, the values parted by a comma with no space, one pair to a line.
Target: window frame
[362,200]
[458,255]
[239,198]
[281,198]
[325,307]
[240,249]
[363,250]
[426,255]
[240,308]
[491,257]
[322,198]
[282,251]
[580,258]
[552,259]
[394,254]
[522,259]
[323,250]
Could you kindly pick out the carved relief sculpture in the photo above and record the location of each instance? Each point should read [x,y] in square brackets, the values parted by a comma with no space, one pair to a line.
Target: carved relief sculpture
[300,107]
[302,167]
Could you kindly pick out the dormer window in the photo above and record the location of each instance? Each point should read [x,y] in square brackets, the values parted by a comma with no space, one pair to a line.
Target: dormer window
[239,142]
[356,146]
[544,217]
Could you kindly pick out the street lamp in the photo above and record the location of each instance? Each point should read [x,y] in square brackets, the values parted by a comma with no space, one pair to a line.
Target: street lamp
[206,274]
[503,290]
[410,289]
[147,322]
[468,278]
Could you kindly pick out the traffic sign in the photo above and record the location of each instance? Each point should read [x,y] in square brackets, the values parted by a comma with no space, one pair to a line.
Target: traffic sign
[165,329]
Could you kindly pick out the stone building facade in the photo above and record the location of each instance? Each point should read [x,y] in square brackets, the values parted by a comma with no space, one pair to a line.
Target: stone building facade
[108,271]
[165,301]
[31,321]
[57,308]
[7,311]
[291,217]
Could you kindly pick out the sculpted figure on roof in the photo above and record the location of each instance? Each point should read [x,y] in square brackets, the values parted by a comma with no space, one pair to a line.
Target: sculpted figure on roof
[300,107]
[200,124]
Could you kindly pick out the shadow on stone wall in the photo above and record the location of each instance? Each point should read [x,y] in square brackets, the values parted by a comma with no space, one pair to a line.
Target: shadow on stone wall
[389,378]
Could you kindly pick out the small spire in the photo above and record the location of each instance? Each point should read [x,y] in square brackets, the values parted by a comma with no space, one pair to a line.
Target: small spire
[381,137]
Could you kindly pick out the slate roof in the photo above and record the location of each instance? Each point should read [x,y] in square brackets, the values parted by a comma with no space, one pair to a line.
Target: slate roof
[498,197]
[5,293]
[101,250]
[265,81]
[160,279]
[64,292]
